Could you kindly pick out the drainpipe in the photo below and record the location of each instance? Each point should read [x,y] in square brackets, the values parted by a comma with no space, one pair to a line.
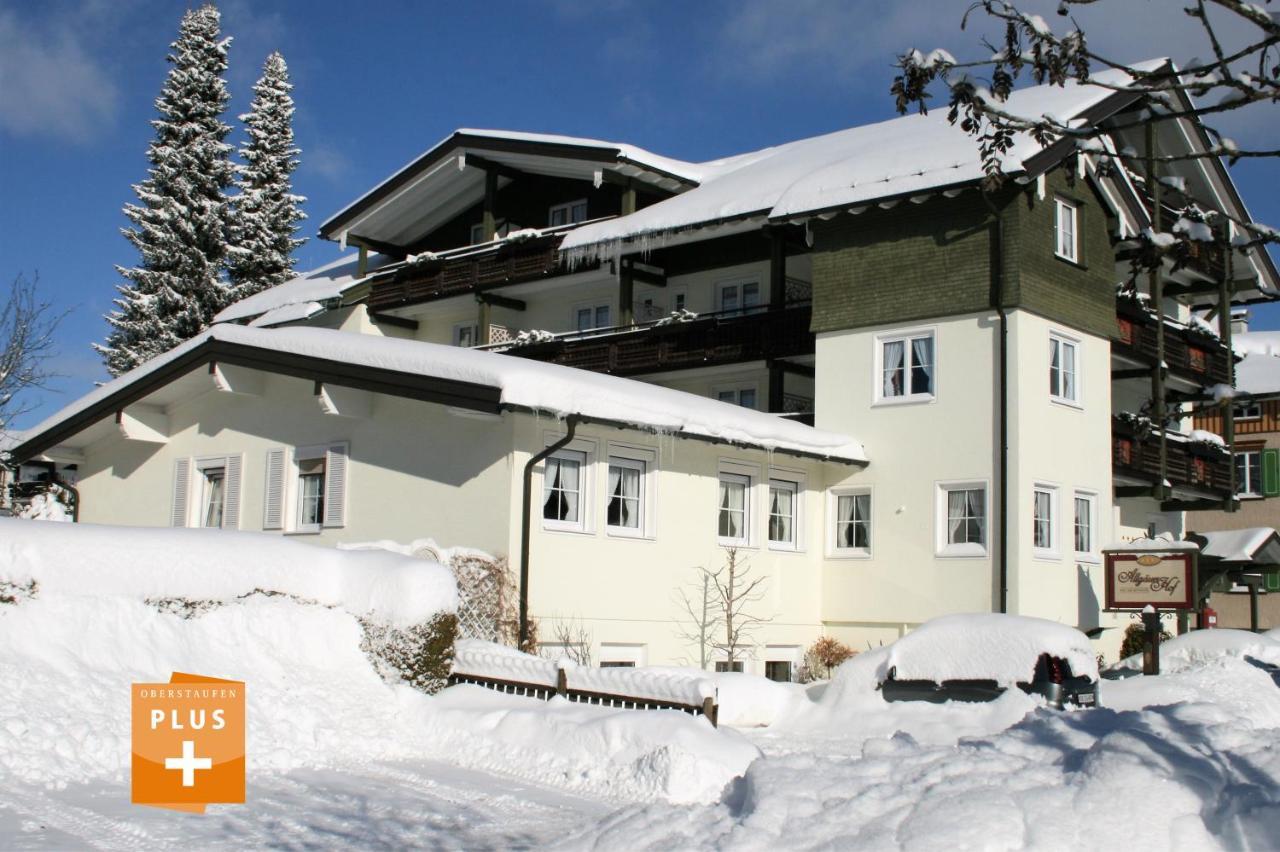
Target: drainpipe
[997,298]
[525,523]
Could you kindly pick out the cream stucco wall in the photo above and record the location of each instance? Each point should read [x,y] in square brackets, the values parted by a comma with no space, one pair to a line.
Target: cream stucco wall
[913,447]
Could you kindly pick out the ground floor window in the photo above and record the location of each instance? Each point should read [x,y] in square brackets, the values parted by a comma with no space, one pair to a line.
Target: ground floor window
[562,488]
[962,516]
[778,670]
[723,666]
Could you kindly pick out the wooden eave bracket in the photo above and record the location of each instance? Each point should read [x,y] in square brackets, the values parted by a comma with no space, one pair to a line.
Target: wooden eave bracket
[342,401]
[229,378]
[146,424]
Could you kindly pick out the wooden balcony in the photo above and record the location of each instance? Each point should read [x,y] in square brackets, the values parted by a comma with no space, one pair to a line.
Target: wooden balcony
[467,272]
[1205,260]
[1135,456]
[1191,355]
[710,340]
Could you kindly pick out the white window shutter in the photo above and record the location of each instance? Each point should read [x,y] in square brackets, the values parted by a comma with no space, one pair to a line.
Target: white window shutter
[181,492]
[273,499]
[335,486]
[231,494]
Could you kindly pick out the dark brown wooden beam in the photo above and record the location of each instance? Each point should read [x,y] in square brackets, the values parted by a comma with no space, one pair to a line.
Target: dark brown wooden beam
[777,388]
[491,166]
[490,220]
[380,246]
[626,292]
[1132,374]
[487,298]
[644,276]
[777,269]
[793,368]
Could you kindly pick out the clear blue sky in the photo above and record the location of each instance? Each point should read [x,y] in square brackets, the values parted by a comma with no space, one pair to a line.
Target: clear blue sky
[377,83]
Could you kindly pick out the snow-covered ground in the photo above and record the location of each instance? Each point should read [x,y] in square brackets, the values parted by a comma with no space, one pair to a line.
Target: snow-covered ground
[339,757]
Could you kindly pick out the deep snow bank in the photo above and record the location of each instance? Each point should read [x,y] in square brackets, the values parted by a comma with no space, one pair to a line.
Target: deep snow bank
[1194,649]
[216,565]
[313,697]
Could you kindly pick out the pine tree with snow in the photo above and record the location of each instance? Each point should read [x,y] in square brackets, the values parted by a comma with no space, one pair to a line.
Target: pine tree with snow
[266,212]
[181,226]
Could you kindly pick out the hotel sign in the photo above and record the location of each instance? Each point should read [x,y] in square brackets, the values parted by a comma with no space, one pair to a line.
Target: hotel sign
[1138,579]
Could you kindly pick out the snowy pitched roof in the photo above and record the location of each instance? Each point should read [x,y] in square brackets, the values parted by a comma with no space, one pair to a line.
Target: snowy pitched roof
[1258,545]
[849,168]
[518,383]
[1259,373]
[319,285]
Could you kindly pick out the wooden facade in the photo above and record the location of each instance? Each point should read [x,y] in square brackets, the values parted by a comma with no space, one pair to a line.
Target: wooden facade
[1246,427]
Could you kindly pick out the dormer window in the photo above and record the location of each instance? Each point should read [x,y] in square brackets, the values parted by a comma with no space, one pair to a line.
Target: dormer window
[569,213]
[1065,219]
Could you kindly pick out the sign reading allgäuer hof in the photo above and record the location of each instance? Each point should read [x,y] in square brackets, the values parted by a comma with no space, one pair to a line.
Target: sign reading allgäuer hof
[1139,577]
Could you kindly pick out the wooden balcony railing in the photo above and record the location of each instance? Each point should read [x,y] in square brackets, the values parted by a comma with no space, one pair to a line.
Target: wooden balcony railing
[1135,453]
[1189,354]
[509,263]
[1207,259]
[711,339]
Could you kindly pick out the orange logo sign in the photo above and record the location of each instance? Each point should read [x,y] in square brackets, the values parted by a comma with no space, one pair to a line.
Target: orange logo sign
[188,742]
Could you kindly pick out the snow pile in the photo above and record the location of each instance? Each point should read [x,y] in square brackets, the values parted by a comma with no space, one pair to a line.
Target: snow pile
[1241,545]
[422,548]
[1197,774]
[1206,437]
[1200,647]
[1259,372]
[317,285]
[46,507]
[987,646]
[523,384]
[487,659]
[216,565]
[314,699]
[1161,543]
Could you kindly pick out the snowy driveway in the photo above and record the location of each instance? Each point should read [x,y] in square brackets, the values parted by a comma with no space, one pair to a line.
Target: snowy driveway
[392,805]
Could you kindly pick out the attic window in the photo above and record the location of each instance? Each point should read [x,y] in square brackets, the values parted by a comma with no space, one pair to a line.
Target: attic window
[1066,239]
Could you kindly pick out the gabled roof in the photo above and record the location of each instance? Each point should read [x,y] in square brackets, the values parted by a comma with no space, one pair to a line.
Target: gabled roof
[437,185]
[1258,546]
[851,168]
[448,375]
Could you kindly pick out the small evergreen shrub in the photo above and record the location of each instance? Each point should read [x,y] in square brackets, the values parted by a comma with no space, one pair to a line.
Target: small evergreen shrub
[1135,640]
[421,655]
[12,592]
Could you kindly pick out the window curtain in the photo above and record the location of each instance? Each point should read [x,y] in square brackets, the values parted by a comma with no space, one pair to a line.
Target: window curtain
[726,517]
[862,516]
[893,356]
[976,501]
[922,365]
[1069,372]
[1055,368]
[955,516]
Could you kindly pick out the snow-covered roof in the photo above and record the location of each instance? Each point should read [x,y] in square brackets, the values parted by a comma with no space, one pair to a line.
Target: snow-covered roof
[1159,544]
[1259,545]
[319,285]
[1259,373]
[849,168]
[522,384]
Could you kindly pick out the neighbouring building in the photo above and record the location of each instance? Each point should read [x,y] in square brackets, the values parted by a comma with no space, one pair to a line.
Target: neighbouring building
[893,395]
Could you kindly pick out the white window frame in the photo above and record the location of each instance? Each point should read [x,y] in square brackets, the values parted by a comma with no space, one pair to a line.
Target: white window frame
[906,338]
[196,513]
[965,550]
[1256,493]
[646,459]
[793,655]
[675,293]
[294,509]
[834,548]
[1053,550]
[585,465]
[795,481]
[1072,253]
[751,475]
[635,653]
[1063,341]
[1245,406]
[737,285]
[736,388]
[1090,555]
[594,307]
[567,207]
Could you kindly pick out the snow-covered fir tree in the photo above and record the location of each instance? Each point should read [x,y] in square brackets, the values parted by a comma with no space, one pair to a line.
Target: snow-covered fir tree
[180,227]
[266,212]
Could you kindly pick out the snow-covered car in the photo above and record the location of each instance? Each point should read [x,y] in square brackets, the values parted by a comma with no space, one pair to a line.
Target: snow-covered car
[978,657]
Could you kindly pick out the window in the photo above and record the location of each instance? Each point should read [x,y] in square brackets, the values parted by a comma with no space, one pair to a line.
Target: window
[214,495]
[617,664]
[588,317]
[744,395]
[466,334]
[1083,527]
[500,229]
[739,296]
[1044,537]
[723,666]
[962,511]
[567,214]
[782,513]
[310,493]
[1249,473]
[906,367]
[626,495]
[734,513]
[1063,382]
[778,670]
[1065,219]
[622,655]
[562,489]
[852,525]
[678,300]
[1248,411]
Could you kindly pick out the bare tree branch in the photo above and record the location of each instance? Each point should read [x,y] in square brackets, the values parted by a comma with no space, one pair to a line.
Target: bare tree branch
[27,327]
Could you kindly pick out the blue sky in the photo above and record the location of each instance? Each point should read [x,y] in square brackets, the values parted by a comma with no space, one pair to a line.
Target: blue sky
[379,82]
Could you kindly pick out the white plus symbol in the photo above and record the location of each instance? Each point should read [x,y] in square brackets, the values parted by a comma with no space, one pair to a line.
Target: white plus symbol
[188,763]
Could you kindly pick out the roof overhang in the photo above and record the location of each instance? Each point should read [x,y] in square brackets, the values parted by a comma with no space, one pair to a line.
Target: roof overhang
[441,184]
